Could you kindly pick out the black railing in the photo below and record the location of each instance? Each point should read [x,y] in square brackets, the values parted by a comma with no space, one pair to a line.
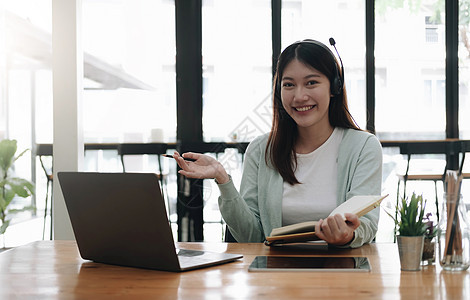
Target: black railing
[452,148]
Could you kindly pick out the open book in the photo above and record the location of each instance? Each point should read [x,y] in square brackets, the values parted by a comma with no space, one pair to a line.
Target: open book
[305,231]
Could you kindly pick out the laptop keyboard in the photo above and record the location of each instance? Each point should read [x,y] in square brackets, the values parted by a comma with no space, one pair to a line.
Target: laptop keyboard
[188,258]
[195,258]
[188,253]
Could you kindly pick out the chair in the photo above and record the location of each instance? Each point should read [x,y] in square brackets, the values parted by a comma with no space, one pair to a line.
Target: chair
[219,149]
[434,177]
[228,238]
[49,177]
[451,148]
[44,151]
[464,174]
[148,149]
[144,149]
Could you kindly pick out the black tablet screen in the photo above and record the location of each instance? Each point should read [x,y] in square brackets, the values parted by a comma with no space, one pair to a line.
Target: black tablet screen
[303,263]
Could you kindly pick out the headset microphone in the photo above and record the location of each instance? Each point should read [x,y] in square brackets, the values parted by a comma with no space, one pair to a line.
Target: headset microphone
[333,43]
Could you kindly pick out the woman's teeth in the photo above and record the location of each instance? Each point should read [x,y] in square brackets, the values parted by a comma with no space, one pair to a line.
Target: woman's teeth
[305,108]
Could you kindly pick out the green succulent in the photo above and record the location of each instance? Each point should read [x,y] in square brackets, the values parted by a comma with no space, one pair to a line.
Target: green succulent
[410,215]
[10,186]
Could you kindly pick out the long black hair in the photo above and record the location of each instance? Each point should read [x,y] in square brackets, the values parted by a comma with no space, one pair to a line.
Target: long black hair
[283,136]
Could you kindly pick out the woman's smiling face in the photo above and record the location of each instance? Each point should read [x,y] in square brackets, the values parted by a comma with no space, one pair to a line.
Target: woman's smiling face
[305,94]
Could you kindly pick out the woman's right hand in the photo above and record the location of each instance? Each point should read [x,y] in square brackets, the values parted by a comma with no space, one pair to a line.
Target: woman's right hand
[203,167]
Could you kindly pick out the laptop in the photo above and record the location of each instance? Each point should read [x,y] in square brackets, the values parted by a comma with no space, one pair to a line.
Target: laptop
[121,219]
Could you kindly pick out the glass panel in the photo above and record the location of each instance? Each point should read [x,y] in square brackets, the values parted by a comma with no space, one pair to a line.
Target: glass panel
[131,97]
[237,72]
[410,95]
[134,99]
[25,76]
[237,79]
[318,20]
[129,70]
[410,70]
[26,101]
[464,69]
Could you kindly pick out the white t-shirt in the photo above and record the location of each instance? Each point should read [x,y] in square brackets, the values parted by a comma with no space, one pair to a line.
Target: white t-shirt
[315,197]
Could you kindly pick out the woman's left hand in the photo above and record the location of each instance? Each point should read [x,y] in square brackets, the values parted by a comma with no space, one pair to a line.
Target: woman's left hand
[336,231]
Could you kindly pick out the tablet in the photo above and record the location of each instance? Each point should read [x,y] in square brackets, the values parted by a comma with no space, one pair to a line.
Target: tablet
[310,263]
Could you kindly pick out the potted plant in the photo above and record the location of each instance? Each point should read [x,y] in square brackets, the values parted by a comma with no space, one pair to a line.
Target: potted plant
[10,186]
[429,242]
[411,228]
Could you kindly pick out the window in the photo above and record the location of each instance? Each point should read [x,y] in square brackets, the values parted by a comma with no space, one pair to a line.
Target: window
[237,69]
[403,61]
[129,70]
[136,39]
[318,20]
[131,96]
[26,90]
[434,29]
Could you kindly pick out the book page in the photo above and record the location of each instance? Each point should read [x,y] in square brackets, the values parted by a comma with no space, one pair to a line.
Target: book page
[295,228]
[358,205]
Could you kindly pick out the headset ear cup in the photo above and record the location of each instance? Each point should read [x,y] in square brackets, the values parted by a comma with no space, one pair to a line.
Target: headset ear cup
[336,86]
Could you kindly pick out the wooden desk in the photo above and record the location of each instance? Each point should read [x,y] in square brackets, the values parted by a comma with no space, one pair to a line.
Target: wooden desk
[54,270]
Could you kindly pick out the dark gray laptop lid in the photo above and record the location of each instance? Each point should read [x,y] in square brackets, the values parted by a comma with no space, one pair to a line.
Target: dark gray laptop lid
[119,218]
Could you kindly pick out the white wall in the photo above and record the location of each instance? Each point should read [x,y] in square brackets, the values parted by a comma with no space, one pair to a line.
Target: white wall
[67,71]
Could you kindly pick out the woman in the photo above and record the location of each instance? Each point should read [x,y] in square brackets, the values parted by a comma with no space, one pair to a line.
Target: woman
[314,158]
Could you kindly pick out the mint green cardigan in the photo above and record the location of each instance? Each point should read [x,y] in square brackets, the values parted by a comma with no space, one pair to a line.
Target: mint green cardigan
[253,212]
